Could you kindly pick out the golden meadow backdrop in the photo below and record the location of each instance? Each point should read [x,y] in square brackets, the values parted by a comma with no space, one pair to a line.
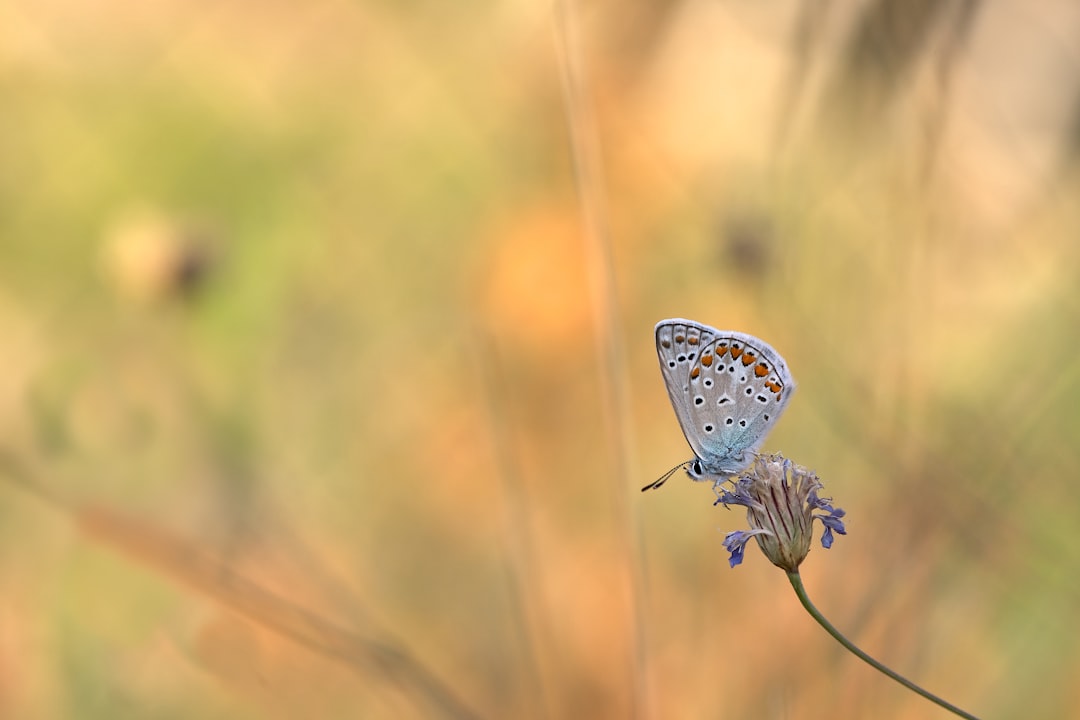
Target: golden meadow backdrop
[327,379]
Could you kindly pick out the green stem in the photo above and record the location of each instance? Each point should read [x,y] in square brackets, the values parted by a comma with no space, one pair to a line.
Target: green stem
[796,582]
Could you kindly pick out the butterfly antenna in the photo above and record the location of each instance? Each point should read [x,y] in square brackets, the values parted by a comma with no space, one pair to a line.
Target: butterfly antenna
[663,478]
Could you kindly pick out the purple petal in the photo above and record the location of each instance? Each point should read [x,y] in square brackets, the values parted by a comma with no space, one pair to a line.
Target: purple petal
[736,556]
[728,497]
[833,522]
[735,542]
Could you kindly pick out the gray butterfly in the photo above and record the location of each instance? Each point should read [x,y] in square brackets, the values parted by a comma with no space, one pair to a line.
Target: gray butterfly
[728,390]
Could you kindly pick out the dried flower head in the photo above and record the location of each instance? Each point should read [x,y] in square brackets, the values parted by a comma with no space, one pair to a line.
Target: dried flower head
[780,498]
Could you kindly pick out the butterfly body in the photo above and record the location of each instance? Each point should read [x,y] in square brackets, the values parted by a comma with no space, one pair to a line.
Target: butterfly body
[728,389]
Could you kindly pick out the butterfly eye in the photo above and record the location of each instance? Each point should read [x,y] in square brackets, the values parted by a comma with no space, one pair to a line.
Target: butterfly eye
[696,467]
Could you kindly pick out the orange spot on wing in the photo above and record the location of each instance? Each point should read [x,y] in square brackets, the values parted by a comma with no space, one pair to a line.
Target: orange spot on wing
[747,358]
[692,341]
[680,338]
[706,360]
[665,343]
[721,350]
[694,373]
[735,352]
[761,370]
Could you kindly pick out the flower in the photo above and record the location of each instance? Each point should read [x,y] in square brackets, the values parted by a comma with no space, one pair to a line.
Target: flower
[780,498]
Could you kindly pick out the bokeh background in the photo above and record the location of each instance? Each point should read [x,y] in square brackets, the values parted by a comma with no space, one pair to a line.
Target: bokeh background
[327,381]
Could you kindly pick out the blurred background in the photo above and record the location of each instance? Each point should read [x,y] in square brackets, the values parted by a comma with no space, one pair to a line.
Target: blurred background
[325,393]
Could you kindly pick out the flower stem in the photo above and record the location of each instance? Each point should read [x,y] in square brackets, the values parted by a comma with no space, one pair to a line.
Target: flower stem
[796,582]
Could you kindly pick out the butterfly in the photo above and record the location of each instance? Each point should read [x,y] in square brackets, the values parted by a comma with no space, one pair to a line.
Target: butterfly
[728,390]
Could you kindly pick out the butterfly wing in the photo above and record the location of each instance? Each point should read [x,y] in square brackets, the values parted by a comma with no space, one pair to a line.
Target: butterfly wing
[678,344]
[728,390]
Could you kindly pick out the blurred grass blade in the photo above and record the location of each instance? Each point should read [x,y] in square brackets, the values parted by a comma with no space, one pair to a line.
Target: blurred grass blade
[585,151]
[185,563]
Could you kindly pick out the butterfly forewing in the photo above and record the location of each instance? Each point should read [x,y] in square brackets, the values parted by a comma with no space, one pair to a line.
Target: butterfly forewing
[678,344]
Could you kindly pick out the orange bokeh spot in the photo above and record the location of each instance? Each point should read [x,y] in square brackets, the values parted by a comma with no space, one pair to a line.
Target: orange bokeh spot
[532,286]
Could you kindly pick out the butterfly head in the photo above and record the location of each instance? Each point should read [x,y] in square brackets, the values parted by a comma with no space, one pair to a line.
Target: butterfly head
[719,469]
[696,470]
